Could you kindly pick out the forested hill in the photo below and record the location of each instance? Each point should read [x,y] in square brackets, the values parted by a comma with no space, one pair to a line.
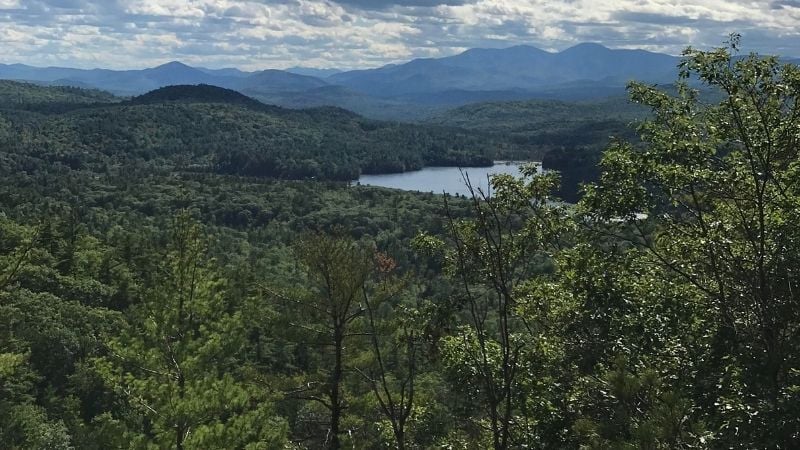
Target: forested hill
[516,116]
[27,96]
[201,93]
[568,136]
[204,128]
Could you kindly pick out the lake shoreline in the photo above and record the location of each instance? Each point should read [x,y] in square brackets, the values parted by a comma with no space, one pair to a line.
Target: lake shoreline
[443,179]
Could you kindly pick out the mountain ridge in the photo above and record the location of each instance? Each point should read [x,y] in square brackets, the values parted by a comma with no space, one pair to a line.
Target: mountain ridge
[520,67]
[409,91]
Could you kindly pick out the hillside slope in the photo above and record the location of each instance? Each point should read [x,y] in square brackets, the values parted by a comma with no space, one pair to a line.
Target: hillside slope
[14,94]
[204,128]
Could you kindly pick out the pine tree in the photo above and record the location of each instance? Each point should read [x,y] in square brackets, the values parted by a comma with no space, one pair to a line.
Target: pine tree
[177,364]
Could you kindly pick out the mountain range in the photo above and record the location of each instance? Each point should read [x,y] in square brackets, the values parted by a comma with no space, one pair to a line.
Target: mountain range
[520,68]
[419,88]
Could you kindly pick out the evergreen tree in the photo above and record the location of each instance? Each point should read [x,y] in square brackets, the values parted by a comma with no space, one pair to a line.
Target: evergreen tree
[337,269]
[392,367]
[178,365]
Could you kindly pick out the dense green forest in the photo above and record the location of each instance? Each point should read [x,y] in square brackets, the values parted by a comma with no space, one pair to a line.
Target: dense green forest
[156,294]
[524,119]
[210,129]
[15,94]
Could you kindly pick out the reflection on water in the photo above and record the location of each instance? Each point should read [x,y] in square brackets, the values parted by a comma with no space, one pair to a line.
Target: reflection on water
[441,179]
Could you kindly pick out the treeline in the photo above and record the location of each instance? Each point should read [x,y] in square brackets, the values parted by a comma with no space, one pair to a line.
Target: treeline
[146,309]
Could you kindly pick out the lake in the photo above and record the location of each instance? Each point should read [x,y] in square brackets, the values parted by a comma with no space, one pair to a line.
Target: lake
[441,179]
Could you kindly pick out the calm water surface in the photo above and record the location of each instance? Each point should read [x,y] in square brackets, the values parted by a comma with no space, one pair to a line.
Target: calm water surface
[441,179]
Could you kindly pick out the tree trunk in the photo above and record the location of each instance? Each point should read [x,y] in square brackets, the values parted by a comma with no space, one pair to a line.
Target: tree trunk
[336,380]
[401,439]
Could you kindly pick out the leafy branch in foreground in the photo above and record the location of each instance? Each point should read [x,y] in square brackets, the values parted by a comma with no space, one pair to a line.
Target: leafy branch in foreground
[719,186]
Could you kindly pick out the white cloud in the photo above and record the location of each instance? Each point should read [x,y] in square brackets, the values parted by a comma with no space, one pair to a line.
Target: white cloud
[256,34]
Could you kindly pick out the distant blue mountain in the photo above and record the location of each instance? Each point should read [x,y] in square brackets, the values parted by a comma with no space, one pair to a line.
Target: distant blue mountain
[135,82]
[277,81]
[516,68]
[227,72]
[312,72]
[29,73]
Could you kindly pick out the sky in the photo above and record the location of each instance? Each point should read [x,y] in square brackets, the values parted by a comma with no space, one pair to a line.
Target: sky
[349,34]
